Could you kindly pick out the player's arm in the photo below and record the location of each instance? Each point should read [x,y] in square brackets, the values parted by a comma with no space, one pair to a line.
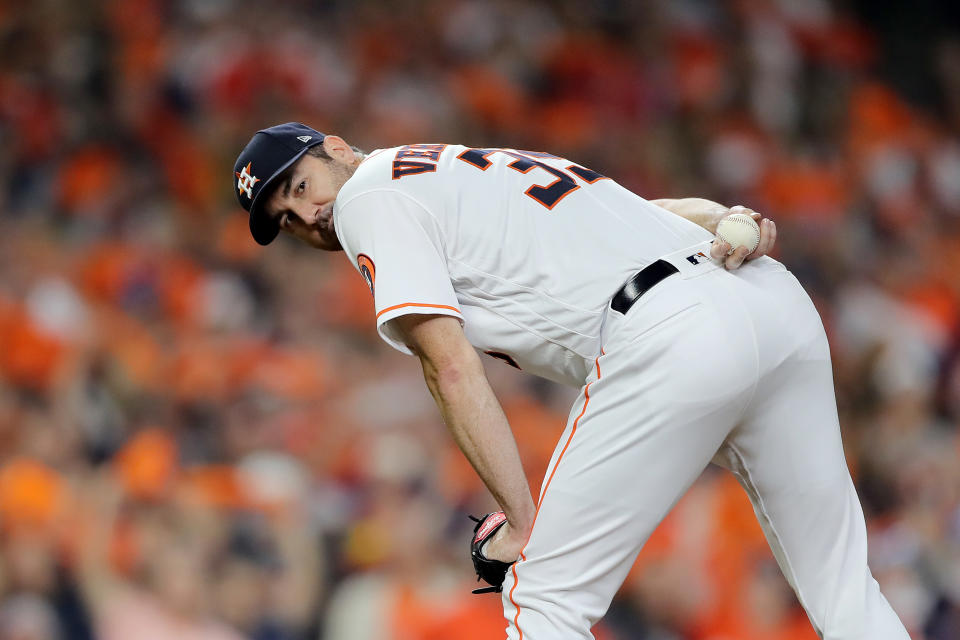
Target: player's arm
[473,415]
[708,214]
[700,211]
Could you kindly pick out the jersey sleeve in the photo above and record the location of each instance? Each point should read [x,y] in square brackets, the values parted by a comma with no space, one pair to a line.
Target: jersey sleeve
[396,245]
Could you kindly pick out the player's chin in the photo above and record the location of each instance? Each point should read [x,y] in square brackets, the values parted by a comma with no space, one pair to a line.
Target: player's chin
[319,240]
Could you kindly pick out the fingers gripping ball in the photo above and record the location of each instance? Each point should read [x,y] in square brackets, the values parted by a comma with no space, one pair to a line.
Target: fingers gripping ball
[739,230]
[492,572]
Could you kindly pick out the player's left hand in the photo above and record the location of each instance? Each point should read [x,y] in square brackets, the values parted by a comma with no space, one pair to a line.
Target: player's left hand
[505,545]
[495,546]
[768,237]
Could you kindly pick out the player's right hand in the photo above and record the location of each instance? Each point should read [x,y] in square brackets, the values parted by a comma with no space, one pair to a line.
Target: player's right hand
[768,237]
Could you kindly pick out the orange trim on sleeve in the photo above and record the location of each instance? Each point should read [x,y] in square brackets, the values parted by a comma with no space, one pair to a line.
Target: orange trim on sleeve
[417,304]
[543,495]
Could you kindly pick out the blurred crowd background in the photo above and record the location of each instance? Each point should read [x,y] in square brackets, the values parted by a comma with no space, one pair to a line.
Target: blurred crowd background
[202,439]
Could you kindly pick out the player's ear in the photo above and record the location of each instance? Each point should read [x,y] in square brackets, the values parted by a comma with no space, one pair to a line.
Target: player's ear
[337,148]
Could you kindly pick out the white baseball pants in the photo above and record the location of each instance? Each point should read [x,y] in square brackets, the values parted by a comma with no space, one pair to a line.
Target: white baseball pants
[732,367]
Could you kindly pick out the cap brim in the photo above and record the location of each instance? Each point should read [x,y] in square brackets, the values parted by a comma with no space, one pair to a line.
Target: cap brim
[263,229]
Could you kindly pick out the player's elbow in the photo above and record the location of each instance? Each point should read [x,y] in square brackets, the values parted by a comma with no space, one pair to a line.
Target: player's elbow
[447,376]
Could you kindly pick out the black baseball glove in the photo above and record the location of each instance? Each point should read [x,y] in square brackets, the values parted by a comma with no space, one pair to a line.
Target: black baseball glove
[491,571]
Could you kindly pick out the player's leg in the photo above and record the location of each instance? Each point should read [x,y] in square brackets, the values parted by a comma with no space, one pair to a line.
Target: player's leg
[788,456]
[641,432]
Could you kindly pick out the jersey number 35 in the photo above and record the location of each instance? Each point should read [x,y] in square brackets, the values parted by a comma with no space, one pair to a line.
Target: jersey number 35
[524,161]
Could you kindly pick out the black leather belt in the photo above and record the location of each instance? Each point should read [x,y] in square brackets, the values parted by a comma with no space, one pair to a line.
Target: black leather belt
[640,283]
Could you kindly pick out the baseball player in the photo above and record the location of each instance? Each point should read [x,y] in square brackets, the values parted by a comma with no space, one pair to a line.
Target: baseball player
[561,272]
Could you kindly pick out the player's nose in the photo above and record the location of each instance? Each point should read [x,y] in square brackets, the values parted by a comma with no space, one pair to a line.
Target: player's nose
[307,212]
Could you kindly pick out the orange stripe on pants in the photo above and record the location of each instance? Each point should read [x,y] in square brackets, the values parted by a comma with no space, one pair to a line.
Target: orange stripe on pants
[543,495]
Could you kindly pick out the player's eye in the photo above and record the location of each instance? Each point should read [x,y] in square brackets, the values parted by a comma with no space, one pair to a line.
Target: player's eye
[302,186]
[285,221]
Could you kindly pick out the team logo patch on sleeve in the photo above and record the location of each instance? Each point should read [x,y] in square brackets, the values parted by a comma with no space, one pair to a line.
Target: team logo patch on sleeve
[367,270]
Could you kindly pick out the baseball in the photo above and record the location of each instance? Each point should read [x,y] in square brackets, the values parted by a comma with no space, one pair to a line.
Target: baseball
[740,230]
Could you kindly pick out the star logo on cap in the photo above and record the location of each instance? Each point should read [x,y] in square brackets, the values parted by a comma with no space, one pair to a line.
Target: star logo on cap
[245,181]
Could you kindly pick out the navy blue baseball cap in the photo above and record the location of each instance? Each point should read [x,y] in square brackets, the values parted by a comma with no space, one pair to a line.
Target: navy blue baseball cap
[265,157]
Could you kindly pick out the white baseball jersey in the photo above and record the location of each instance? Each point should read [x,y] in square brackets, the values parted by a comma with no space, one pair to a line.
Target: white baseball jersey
[525,248]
